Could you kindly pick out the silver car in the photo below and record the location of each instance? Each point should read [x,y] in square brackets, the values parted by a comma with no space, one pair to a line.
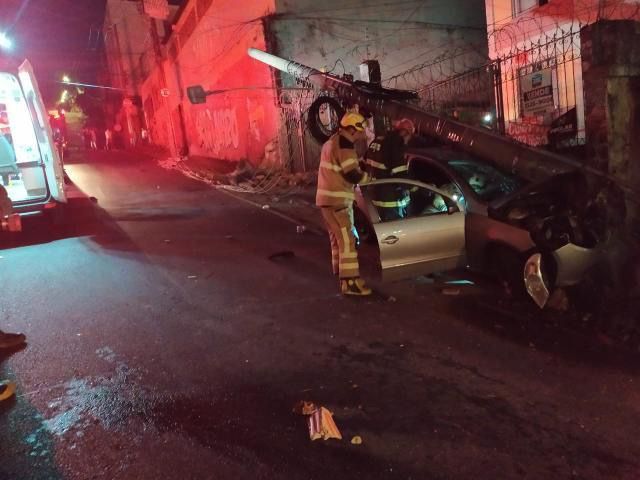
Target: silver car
[460,212]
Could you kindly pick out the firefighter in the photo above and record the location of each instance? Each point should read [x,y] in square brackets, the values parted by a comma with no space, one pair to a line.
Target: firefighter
[338,174]
[386,159]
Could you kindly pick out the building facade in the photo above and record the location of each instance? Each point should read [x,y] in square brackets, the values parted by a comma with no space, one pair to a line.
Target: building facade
[537,47]
[257,114]
[128,60]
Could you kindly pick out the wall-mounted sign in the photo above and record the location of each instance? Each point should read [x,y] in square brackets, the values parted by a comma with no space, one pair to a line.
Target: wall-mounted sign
[564,127]
[156,8]
[536,92]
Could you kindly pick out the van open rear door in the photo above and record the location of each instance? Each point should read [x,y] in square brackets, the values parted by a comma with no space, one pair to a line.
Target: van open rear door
[52,162]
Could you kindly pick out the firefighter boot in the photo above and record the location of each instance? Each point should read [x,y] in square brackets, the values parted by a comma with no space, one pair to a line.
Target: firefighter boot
[354,286]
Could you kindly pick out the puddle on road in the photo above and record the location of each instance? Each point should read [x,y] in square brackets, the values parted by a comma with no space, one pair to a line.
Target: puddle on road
[109,401]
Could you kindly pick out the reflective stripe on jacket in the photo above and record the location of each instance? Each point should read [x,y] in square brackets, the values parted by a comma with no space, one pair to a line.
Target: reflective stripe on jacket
[339,172]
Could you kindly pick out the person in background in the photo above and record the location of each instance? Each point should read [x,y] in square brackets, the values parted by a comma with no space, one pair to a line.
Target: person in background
[93,138]
[108,139]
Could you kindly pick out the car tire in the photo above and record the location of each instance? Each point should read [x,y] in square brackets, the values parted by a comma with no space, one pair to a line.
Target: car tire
[315,126]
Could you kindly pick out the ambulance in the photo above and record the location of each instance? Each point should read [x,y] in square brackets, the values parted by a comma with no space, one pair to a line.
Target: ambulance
[31,172]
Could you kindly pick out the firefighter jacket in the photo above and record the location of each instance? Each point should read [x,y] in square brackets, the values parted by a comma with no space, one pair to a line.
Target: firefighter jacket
[374,161]
[386,159]
[339,172]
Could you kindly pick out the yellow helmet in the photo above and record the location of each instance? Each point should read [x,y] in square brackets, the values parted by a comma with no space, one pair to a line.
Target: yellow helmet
[355,120]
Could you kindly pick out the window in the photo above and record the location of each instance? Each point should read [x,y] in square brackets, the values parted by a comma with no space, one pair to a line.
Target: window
[487,182]
[520,6]
[399,200]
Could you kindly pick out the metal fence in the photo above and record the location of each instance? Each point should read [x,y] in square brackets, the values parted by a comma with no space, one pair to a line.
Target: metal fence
[533,93]
[300,151]
[469,96]
[539,91]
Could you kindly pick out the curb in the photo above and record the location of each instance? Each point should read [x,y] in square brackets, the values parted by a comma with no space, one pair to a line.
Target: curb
[274,211]
[309,227]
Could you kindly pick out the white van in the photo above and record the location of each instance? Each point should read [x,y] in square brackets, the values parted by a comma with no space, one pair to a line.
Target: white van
[30,169]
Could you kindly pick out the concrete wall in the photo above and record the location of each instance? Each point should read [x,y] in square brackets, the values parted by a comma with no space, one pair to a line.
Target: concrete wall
[514,34]
[338,35]
[508,26]
[126,39]
[209,48]
[611,58]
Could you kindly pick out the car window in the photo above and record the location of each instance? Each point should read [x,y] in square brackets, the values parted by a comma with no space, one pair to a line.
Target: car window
[432,175]
[486,181]
[397,201]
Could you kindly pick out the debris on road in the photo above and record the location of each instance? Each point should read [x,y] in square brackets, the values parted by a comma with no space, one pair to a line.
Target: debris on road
[357,440]
[321,425]
[285,254]
[304,408]
[7,390]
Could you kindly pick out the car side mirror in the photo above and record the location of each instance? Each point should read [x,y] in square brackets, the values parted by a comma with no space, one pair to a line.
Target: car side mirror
[197,95]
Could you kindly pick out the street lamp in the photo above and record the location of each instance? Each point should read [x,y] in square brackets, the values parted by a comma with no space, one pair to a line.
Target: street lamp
[5,42]
[65,79]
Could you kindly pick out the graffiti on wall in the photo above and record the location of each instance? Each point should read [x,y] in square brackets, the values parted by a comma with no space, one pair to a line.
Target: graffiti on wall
[217,129]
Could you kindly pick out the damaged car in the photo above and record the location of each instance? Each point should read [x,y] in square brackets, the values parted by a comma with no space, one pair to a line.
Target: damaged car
[460,212]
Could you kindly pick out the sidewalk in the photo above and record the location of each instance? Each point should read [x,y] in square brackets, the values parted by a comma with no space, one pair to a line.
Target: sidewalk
[289,196]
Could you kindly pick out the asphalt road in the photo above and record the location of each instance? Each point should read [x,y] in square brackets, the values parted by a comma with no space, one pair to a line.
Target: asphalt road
[164,343]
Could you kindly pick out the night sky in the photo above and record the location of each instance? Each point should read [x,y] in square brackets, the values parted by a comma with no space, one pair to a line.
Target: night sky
[57,36]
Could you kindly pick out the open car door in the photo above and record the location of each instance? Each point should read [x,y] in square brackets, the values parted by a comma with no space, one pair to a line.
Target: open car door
[426,234]
[52,163]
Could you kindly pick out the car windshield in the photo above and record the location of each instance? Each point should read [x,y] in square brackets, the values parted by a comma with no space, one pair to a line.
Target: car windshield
[486,181]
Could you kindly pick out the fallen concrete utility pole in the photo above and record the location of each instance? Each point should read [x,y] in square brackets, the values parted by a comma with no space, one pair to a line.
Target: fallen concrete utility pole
[531,163]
